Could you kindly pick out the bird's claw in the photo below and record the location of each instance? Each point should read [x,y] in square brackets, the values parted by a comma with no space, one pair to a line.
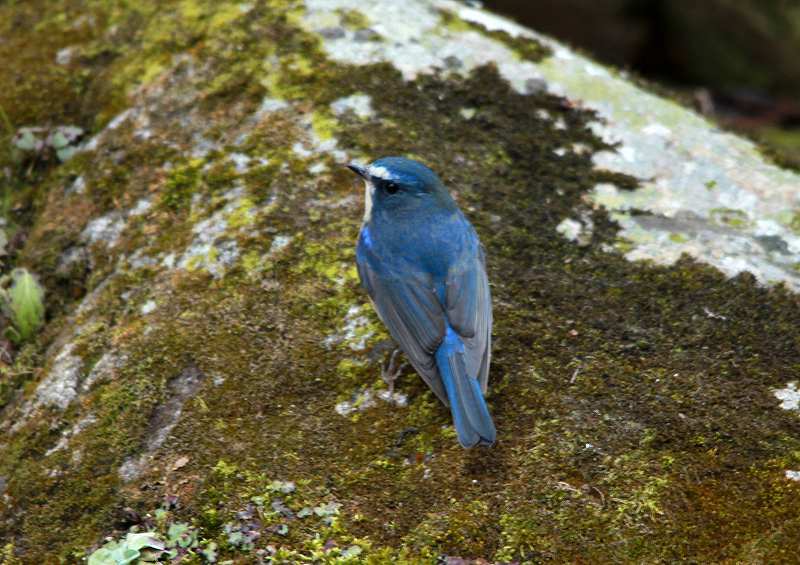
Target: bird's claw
[391,370]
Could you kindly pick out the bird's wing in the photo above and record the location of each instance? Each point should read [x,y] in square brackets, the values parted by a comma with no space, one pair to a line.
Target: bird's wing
[409,308]
[469,310]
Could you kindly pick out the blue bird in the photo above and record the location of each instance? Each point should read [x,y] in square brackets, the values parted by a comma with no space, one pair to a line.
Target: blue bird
[422,265]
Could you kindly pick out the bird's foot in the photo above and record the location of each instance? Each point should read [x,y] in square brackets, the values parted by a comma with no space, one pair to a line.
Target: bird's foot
[391,370]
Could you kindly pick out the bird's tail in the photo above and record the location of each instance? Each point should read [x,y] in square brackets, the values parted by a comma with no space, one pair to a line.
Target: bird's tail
[471,417]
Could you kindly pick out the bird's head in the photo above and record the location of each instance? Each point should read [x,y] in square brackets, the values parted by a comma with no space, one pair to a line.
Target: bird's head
[397,183]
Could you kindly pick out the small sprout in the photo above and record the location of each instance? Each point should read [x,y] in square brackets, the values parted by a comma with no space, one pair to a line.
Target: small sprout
[64,136]
[65,140]
[280,529]
[235,538]
[26,139]
[285,487]
[62,140]
[210,552]
[247,514]
[241,537]
[351,552]
[181,535]
[224,469]
[161,516]
[328,509]
[24,305]
[280,508]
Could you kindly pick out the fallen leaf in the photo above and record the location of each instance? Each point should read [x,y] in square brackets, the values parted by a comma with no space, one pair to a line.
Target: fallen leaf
[180,462]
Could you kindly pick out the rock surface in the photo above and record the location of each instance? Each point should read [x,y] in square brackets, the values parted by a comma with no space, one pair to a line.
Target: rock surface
[210,370]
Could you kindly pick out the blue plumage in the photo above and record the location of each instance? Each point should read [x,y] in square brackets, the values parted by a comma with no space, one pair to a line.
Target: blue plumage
[423,266]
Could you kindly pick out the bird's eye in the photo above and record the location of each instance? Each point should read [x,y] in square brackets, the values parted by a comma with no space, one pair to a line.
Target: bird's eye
[392,188]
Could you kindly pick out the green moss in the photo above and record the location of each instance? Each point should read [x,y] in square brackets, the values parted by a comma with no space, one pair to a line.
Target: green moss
[324,124]
[243,216]
[782,145]
[180,185]
[252,262]
[169,33]
[729,217]
[353,19]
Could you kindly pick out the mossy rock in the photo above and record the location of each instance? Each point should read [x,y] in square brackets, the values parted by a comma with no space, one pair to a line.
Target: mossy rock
[204,319]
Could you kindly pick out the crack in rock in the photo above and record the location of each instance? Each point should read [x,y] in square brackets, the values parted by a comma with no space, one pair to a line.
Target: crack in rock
[163,420]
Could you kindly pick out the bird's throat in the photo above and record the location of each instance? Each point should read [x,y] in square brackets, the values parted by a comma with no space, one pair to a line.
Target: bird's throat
[369,191]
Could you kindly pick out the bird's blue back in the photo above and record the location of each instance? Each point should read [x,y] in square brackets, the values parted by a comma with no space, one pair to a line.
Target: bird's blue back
[423,266]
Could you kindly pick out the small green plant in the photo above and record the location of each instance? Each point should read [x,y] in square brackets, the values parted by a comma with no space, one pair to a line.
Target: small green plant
[278,521]
[179,542]
[133,548]
[23,303]
[38,142]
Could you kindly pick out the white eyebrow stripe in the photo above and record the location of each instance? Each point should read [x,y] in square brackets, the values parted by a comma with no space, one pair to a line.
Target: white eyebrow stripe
[380,172]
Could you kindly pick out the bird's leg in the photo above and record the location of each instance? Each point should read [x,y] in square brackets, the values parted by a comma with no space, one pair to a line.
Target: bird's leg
[391,370]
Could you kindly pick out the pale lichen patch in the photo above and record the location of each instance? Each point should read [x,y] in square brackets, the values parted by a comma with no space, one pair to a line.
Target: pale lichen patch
[268,106]
[396,398]
[411,37]
[365,399]
[570,229]
[789,396]
[214,247]
[578,231]
[105,229]
[356,330]
[240,161]
[59,388]
[93,143]
[141,207]
[792,475]
[359,104]
[72,431]
[148,307]
[210,249]
[360,401]
[279,243]
[104,369]
[78,186]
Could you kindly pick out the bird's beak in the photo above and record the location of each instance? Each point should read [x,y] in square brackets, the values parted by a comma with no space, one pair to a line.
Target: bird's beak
[358,169]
